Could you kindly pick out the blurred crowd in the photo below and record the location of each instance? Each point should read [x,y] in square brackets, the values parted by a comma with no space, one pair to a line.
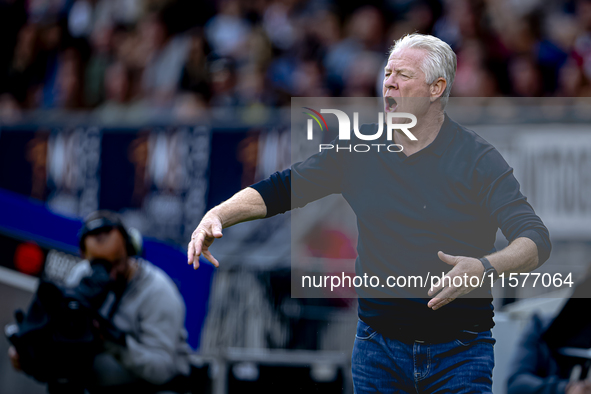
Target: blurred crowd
[124,59]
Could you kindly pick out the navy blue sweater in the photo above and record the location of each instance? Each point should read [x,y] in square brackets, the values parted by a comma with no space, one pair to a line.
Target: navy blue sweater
[451,196]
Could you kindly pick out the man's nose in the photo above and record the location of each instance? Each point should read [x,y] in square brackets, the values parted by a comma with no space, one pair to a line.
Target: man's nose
[391,82]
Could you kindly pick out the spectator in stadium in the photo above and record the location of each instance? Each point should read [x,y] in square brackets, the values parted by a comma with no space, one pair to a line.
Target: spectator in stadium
[151,353]
[166,56]
[496,44]
[448,191]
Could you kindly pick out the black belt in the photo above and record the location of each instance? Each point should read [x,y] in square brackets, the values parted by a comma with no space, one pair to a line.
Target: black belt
[410,335]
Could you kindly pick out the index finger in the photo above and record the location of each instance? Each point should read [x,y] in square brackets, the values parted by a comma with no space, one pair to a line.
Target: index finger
[447,295]
[436,289]
[190,253]
[446,281]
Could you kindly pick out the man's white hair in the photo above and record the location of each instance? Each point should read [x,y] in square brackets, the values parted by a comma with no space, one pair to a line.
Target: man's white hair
[439,62]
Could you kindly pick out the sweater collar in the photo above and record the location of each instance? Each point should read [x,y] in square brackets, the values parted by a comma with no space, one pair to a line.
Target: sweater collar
[444,137]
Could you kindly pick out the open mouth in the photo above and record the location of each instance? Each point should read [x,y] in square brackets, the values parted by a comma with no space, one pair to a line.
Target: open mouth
[390,104]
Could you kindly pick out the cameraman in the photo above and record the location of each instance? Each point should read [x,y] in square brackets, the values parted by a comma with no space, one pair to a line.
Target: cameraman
[144,349]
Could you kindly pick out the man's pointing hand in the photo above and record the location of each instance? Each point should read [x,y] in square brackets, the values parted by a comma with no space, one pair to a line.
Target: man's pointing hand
[208,230]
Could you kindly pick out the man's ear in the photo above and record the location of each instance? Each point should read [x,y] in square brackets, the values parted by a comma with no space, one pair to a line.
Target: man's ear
[437,88]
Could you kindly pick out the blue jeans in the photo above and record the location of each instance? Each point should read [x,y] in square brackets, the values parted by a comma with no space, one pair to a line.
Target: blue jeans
[383,365]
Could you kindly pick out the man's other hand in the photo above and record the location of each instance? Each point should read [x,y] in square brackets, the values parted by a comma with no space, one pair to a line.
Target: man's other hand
[14,358]
[208,230]
[464,267]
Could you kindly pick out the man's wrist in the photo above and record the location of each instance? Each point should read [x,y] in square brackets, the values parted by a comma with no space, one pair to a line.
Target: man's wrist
[217,212]
[488,268]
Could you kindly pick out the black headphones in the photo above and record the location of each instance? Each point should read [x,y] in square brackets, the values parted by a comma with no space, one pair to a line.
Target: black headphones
[101,221]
